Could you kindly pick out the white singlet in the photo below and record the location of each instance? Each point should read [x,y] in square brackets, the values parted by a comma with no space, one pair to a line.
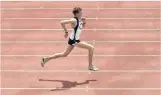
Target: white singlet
[75,35]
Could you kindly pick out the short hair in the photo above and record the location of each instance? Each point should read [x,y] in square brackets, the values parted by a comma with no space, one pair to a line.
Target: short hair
[76,10]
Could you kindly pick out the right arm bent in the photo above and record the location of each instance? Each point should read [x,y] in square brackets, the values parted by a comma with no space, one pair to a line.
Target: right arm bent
[64,22]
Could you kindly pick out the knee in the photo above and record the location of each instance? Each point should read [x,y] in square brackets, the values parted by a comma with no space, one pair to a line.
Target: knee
[64,55]
[91,48]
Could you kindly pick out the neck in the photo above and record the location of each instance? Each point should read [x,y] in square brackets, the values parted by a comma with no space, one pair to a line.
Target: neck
[78,17]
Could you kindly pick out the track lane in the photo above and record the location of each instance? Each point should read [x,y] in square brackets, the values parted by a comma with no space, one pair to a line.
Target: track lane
[114,80]
[104,63]
[106,35]
[100,48]
[99,24]
[66,4]
[104,13]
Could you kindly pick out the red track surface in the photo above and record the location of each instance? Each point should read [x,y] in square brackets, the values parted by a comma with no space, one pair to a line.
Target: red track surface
[25,45]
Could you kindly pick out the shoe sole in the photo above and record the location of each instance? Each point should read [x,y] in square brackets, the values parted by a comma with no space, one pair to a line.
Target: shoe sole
[93,69]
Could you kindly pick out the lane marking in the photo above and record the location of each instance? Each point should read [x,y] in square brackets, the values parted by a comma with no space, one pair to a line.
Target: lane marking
[80,89]
[41,8]
[3,55]
[83,29]
[160,45]
[84,71]
[48,42]
[98,8]
[97,18]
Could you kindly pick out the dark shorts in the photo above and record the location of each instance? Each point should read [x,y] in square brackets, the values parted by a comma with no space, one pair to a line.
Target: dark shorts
[73,42]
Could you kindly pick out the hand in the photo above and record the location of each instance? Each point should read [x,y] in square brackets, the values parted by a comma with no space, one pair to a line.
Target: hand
[66,34]
[84,21]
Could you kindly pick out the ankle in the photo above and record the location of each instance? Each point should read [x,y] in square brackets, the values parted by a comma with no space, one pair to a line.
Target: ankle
[90,65]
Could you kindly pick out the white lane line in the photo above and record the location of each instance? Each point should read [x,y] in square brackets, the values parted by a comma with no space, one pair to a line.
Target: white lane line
[127,18]
[83,29]
[160,44]
[43,18]
[37,42]
[80,89]
[141,55]
[84,71]
[41,8]
[86,18]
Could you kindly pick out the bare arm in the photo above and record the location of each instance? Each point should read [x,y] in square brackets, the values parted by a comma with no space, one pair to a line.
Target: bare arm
[64,22]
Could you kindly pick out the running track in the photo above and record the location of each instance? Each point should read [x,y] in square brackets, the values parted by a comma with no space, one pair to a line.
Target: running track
[127,49]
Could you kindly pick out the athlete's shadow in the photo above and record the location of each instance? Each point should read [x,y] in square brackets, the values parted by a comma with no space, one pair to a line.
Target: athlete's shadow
[66,84]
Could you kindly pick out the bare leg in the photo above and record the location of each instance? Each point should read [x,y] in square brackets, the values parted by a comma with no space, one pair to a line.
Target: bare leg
[90,48]
[57,55]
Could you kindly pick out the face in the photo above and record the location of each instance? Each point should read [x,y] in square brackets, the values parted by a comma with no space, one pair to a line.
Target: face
[79,15]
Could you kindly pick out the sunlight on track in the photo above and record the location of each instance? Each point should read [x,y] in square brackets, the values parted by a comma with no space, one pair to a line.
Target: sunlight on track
[148,13]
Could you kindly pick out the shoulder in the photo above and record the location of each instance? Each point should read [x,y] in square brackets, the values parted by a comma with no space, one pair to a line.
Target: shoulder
[73,19]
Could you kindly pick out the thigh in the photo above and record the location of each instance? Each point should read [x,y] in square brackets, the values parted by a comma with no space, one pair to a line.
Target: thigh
[68,49]
[84,45]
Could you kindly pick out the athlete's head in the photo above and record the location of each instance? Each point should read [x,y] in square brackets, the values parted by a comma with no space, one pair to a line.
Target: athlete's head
[77,11]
